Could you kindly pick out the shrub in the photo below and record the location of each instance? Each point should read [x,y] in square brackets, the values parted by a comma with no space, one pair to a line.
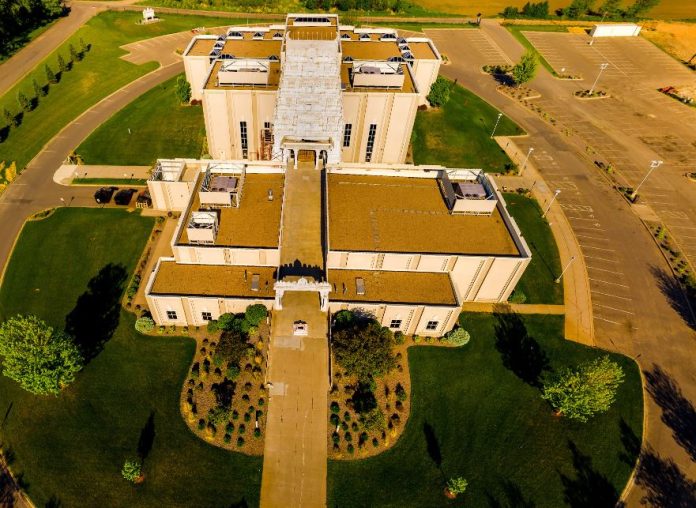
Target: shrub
[440,92]
[212,326]
[400,392]
[458,337]
[255,314]
[240,441]
[526,69]
[348,437]
[132,470]
[363,399]
[23,101]
[373,420]
[335,408]
[399,338]
[457,485]
[351,449]
[232,371]
[242,428]
[247,417]
[144,325]
[62,64]
[183,90]
[218,415]
[336,438]
[50,75]
[334,419]
[227,438]
[257,432]
[201,424]
[517,296]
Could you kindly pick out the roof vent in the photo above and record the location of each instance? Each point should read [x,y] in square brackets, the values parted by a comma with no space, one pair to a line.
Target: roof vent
[258,35]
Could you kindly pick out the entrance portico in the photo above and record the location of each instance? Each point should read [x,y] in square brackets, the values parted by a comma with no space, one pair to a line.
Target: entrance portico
[296,149]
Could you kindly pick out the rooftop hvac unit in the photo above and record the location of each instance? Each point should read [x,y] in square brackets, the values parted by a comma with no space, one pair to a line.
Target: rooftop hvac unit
[202,227]
[359,286]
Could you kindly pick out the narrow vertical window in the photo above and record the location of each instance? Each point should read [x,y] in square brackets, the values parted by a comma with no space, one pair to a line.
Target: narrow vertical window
[370,142]
[346,135]
[245,139]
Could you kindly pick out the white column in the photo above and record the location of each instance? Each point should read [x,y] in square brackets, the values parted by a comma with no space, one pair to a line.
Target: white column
[279,299]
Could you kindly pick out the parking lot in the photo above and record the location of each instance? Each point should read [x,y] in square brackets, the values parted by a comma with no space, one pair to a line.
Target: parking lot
[479,48]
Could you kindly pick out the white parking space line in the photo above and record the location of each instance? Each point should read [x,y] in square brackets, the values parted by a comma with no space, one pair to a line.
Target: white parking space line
[613,308]
[596,316]
[596,248]
[602,259]
[611,283]
[604,270]
[612,296]
[592,237]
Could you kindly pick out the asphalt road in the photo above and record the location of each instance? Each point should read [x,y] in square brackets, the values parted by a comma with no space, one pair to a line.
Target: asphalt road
[635,303]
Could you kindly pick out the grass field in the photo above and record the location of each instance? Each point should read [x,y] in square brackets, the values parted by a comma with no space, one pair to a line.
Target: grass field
[458,135]
[98,75]
[108,181]
[666,9]
[473,417]
[537,283]
[69,449]
[153,126]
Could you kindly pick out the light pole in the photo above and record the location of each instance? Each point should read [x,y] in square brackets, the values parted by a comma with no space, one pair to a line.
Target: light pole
[500,115]
[601,68]
[62,200]
[558,279]
[524,164]
[555,195]
[653,166]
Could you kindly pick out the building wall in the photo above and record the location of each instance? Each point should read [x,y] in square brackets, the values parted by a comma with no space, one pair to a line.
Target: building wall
[414,318]
[225,109]
[394,115]
[189,309]
[426,72]
[170,196]
[197,68]
[211,255]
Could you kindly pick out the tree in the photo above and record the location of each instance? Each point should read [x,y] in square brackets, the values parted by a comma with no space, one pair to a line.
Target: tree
[640,7]
[53,8]
[458,337]
[183,90]
[11,172]
[440,92]
[457,485]
[74,55]
[581,393]
[364,349]
[132,470]
[526,69]
[39,91]
[62,64]
[511,12]
[577,8]
[23,101]
[9,117]
[50,75]
[536,10]
[42,360]
[610,7]
[144,324]
[255,314]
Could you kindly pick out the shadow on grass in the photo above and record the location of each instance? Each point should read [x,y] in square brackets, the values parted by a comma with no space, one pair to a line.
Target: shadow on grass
[513,497]
[675,294]
[95,317]
[546,264]
[630,442]
[54,502]
[666,486]
[240,504]
[520,352]
[677,411]
[589,487]
[432,444]
[147,437]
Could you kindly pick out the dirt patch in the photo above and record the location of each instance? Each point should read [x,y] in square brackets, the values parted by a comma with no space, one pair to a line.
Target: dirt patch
[677,39]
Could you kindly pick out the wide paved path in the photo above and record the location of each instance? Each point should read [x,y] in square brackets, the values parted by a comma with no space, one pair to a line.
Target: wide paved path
[295,455]
[35,189]
[634,300]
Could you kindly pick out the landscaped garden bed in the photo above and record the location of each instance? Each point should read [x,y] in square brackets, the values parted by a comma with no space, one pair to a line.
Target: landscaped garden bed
[224,400]
[594,94]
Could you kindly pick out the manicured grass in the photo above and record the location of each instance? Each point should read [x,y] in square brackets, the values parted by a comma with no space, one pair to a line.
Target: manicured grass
[153,126]
[480,421]
[71,448]
[537,283]
[458,135]
[108,181]
[100,73]
[516,31]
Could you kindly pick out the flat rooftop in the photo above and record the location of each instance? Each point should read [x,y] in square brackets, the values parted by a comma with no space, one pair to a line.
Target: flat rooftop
[213,280]
[370,50]
[425,288]
[240,48]
[255,223]
[347,86]
[408,215]
[273,79]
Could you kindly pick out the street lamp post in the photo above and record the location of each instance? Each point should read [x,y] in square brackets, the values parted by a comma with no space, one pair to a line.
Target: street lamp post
[526,159]
[555,195]
[653,166]
[601,68]
[62,200]
[500,115]
[558,279]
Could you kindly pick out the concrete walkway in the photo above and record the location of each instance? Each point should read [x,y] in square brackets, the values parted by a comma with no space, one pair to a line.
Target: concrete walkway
[66,173]
[295,454]
[577,299]
[519,308]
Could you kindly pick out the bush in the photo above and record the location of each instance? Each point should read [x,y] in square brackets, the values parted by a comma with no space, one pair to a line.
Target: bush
[517,296]
[440,92]
[240,441]
[257,432]
[132,470]
[399,338]
[400,392]
[183,90]
[334,419]
[144,325]
[227,438]
[255,314]
[335,408]
[457,485]
[364,349]
[212,326]
[458,337]
[232,371]
[373,420]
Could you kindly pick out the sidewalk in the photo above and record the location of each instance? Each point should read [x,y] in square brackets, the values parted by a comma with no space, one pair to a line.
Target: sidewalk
[68,172]
[579,324]
[519,308]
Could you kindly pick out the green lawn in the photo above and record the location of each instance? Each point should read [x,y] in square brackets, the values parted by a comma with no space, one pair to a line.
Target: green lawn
[98,75]
[477,419]
[537,283]
[458,135]
[71,448]
[516,31]
[160,127]
[108,181]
